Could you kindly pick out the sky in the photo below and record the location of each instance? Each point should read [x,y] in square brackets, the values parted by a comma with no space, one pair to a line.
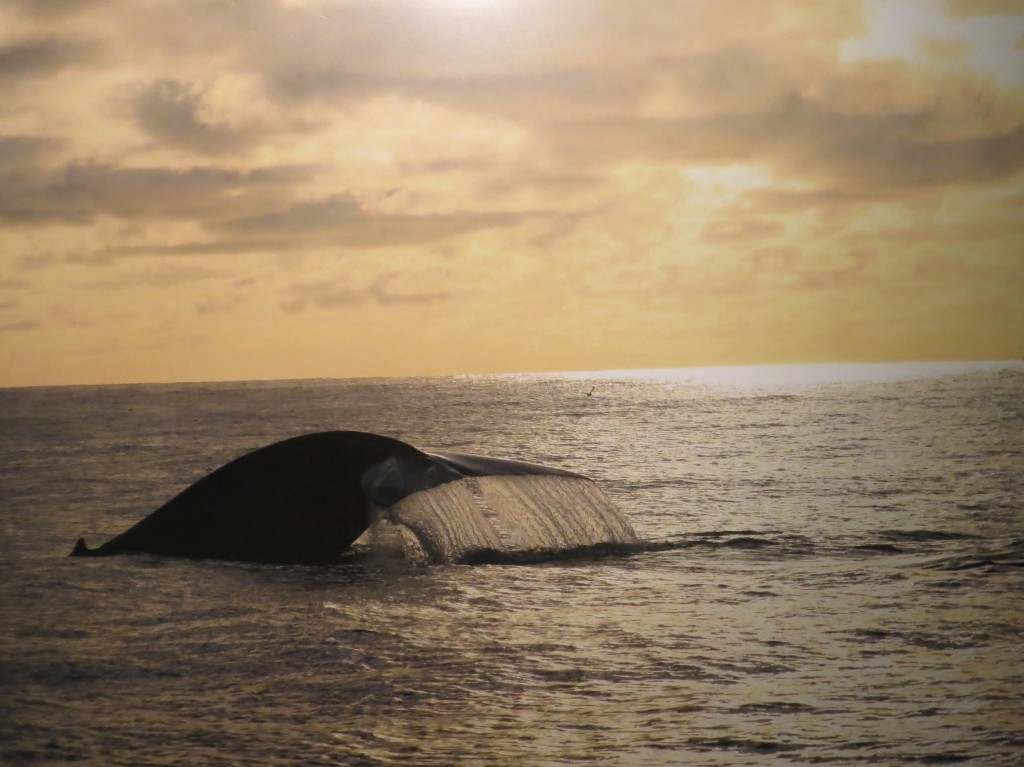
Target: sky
[224,189]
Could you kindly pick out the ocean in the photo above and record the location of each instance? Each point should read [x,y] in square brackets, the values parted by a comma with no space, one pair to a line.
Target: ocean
[831,571]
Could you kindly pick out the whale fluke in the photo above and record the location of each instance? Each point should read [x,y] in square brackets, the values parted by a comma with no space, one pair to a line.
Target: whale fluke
[308,498]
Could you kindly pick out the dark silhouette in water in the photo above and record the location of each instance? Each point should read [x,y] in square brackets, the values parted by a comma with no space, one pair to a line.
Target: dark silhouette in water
[303,500]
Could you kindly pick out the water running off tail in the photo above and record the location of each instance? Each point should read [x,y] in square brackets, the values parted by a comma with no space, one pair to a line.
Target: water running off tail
[503,517]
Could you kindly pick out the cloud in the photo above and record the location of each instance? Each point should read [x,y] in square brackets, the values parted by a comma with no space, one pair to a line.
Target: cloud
[172,113]
[967,8]
[81,191]
[713,83]
[20,326]
[801,139]
[331,295]
[220,305]
[55,9]
[783,200]
[22,152]
[333,212]
[36,260]
[160,278]
[107,255]
[42,55]
[945,50]
[731,230]
[644,166]
[837,273]
[347,223]
[538,62]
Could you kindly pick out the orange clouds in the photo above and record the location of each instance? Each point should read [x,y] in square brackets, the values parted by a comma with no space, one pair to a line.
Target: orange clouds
[679,183]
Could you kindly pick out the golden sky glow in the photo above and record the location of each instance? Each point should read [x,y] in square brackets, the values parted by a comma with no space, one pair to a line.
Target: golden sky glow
[204,189]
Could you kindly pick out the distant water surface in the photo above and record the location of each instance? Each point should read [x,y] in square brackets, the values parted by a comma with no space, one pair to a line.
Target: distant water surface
[845,583]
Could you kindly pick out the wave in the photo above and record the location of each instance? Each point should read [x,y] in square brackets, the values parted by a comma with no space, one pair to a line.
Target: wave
[927,535]
[1010,556]
[988,556]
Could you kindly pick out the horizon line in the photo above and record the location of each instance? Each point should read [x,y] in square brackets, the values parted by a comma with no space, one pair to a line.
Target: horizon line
[659,373]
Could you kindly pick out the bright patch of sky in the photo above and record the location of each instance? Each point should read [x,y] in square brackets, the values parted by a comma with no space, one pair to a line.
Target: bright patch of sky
[908,29]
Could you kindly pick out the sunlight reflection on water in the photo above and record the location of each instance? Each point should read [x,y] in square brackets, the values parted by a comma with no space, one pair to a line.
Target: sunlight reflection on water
[785,376]
[847,586]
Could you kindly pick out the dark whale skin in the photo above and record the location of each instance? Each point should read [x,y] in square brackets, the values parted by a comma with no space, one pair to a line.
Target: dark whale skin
[296,501]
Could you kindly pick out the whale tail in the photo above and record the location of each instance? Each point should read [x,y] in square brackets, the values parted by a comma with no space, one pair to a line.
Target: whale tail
[81,550]
[308,498]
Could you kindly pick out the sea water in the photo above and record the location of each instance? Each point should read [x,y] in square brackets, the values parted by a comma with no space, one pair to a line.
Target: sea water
[838,578]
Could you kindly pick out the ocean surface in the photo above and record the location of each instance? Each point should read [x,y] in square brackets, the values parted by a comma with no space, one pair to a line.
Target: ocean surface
[831,572]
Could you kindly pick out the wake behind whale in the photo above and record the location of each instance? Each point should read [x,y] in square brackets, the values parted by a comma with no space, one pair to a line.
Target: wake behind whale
[309,498]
